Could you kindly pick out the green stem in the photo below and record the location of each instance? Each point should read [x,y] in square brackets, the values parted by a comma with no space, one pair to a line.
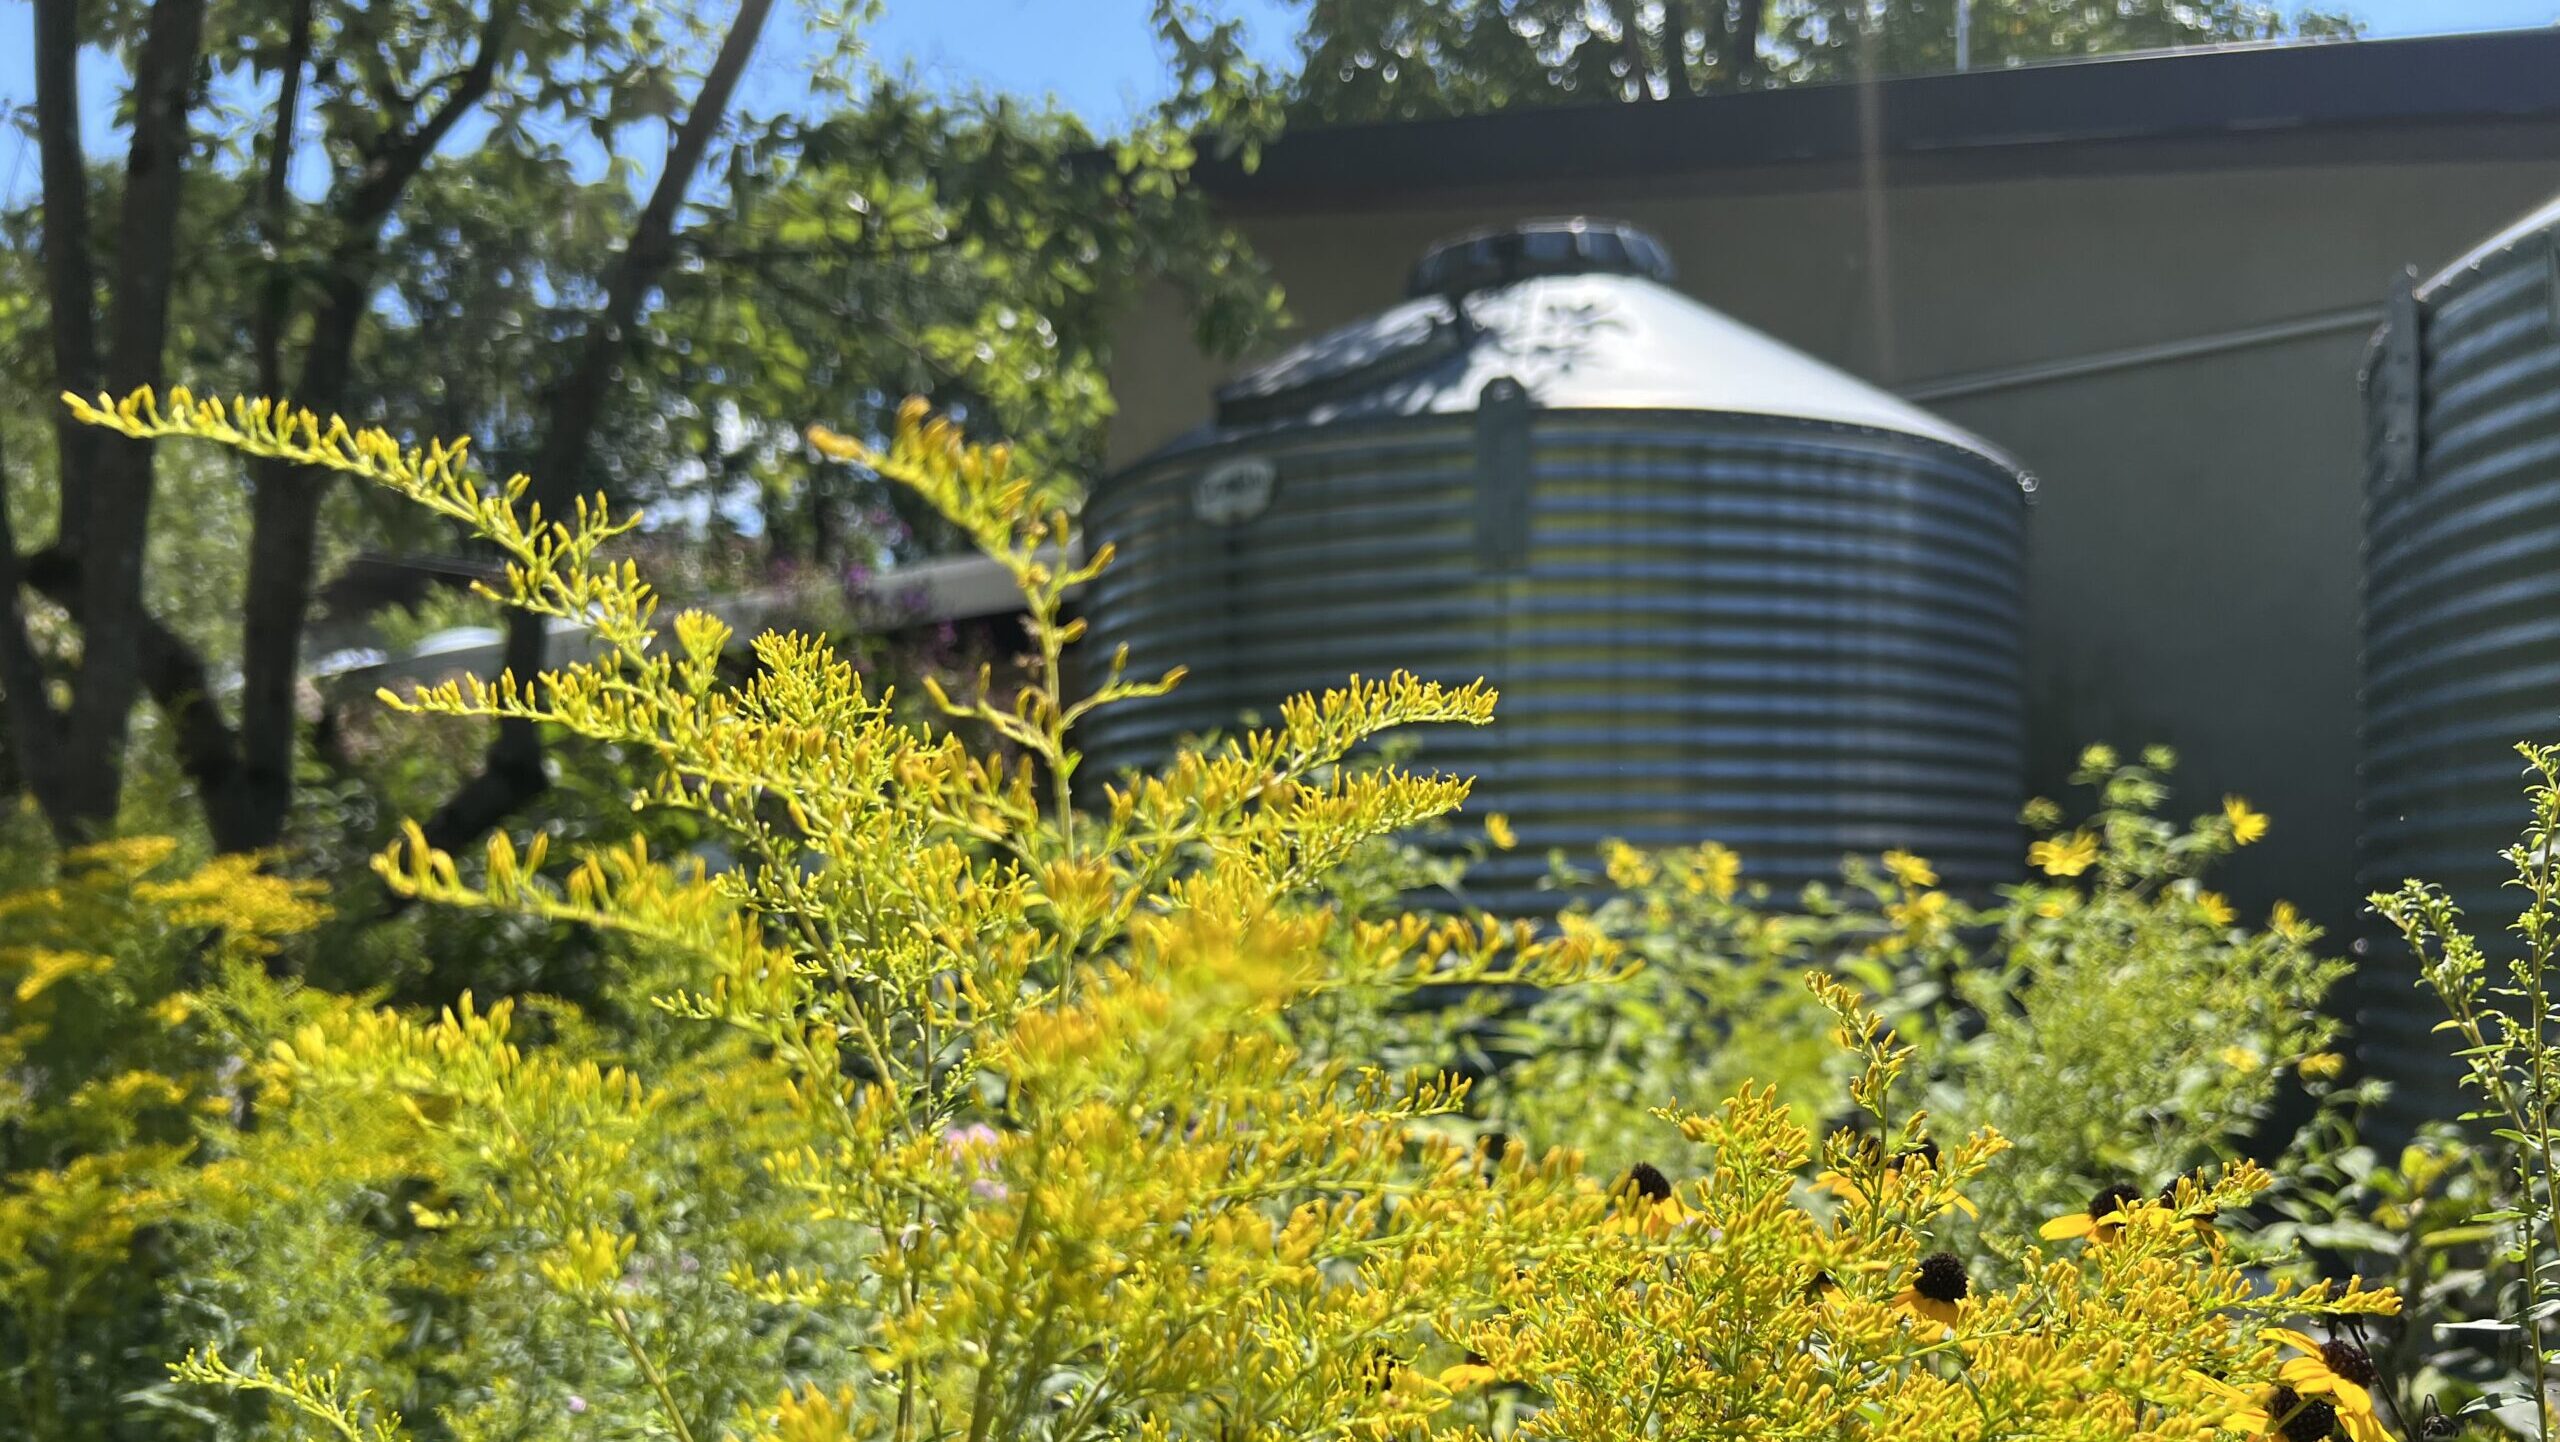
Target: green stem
[620,1321]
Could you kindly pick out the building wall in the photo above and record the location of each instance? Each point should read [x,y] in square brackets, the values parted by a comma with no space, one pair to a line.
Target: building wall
[2193,574]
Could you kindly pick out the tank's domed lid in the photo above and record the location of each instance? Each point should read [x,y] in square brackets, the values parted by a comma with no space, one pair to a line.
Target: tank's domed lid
[1578,245]
[2540,220]
[1577,313]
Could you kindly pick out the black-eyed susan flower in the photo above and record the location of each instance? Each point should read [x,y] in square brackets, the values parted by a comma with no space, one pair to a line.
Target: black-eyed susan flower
[1937,1290]
[1468,1374]
[2103,1218]
[2337,1370]
[2278,1414]
[1647,1203]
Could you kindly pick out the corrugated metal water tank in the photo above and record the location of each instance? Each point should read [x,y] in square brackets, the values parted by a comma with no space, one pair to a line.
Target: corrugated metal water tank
[2462,612]
[1725,591]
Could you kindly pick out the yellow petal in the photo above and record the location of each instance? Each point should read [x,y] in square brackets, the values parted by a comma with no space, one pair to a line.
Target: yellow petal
[1468,1374]
[2298,1341]
[2069,1224]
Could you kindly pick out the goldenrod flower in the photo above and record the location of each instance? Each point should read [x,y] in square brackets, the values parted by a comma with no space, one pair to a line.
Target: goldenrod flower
[2104,1217]
[2337,1370]
[1936,1291]
[2199,1213]
[2322,1066]
[1846,1187]
[2246,825]
[1910,870]
[1497,829]
[2064,855]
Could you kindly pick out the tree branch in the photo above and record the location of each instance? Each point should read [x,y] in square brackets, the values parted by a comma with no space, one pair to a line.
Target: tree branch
[175,676]
[512,772]
[249,808]
[275,196]
[408,150]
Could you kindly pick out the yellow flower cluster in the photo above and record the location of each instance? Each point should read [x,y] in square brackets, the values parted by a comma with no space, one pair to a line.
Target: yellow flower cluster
[1000,1095]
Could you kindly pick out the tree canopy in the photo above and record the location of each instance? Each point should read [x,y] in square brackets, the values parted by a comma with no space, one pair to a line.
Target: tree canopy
[559,227]
[1364,60]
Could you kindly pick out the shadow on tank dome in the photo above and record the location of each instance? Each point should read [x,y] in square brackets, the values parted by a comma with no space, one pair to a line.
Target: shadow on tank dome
[1578,312]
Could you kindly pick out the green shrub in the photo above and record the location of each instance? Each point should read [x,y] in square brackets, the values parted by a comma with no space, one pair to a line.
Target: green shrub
[2022,1002]
[974,1114]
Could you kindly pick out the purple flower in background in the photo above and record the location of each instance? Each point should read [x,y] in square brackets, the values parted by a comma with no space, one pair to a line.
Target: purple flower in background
[977,1142]
[577,1404]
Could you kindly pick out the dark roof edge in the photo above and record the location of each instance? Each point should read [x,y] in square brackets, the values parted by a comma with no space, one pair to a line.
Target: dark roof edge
[2263,99]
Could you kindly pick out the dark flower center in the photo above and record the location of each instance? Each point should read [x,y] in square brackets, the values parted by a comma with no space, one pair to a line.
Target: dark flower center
[1648,1182]
[1379,1371]
[1817,1284]
[1927,1151]
[2351,1362]
[1941,1278]
[2302,1419]
[2112,1200]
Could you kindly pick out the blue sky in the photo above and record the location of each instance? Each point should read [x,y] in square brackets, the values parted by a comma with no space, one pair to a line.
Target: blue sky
[1097,57]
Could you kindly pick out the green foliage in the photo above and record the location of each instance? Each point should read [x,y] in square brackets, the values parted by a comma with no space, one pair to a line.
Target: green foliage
[2500,1005]
[2416,1221]
[106,1071]
[2022,1001]
[957,1110]
[1365,60]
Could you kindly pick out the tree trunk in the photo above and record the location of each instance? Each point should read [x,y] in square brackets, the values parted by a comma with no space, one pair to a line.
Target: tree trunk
[111,516]
[70,279]
[512,772]
[249,813]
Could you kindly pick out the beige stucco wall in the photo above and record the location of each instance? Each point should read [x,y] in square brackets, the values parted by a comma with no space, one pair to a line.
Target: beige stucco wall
[2194,545]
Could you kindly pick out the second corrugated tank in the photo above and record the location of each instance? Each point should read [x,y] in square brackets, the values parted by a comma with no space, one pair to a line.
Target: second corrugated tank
[2462,613]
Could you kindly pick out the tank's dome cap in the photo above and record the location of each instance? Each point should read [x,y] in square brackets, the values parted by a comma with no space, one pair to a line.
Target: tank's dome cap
[1570,245]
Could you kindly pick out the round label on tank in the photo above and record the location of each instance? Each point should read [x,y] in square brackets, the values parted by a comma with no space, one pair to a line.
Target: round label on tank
[1235,491]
